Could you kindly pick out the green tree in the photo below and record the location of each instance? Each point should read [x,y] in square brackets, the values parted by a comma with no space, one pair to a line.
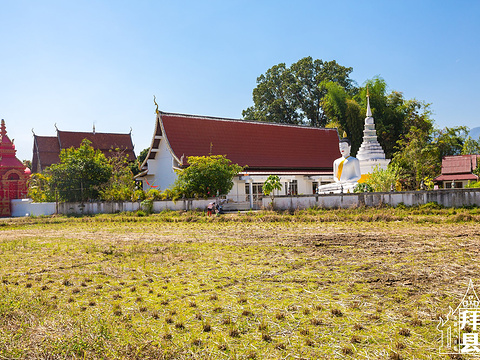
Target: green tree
[476,171]
[417,158]
[450,141]
[471,146]
[294,95]
[273,97]
[344,113]
[206,176]
[121,185]
[270,185]
[81,173]
[39,188]
[309,76]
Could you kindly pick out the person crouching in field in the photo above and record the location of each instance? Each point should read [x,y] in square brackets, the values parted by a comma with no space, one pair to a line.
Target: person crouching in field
[210,208]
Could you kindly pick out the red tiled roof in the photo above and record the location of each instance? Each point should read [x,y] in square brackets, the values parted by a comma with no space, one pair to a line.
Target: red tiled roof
[45,152]
[100,141]
[461,164]
[46,149]
[456,177]
[258,145]
[47,143]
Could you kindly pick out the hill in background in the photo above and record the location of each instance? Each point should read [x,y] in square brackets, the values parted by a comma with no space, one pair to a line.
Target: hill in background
[475,132]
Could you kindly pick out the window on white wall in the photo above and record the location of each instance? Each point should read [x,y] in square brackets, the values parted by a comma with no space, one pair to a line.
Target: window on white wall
[257,191]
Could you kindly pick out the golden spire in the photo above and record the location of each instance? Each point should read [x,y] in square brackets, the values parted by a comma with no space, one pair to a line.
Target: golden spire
[155,102]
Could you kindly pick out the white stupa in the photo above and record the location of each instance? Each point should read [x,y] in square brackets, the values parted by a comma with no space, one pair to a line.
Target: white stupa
[370,153]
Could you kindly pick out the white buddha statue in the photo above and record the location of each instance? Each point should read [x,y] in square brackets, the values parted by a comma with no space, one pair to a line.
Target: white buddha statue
[346,172]
[346,169]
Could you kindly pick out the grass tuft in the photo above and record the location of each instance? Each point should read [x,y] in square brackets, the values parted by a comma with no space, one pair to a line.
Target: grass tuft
[234,333]
[207,327]
[347,350]
[337,312]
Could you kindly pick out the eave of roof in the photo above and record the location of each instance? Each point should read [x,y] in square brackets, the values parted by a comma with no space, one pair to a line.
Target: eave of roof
[451,177]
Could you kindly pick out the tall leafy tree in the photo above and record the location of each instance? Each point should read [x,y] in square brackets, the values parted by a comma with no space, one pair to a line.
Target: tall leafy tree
[293,95]
[121,185]
[273,97]
[81,173]
[416,157]
[309,76]
[344,113]
[450,141]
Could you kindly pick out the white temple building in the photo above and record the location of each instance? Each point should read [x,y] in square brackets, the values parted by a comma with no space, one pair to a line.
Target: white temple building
[370,153]
[301,156]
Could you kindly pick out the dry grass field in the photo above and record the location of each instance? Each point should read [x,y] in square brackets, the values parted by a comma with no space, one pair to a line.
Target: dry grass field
[338,284]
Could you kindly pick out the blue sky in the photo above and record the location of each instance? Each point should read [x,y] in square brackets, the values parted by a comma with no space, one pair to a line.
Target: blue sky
[76,63]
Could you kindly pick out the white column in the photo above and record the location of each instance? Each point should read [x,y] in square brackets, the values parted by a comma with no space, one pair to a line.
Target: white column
[250,186]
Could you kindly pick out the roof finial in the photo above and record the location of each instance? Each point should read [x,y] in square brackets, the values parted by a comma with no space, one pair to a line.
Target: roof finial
[93,130]
[369,111]
[56,128]
[3,129]
[155,102]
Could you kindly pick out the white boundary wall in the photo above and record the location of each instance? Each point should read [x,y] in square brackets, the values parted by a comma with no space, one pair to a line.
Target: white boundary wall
[116,207]
[447,198]
[26,207]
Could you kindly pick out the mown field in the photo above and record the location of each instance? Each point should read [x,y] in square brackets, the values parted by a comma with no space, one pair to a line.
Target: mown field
[337,284]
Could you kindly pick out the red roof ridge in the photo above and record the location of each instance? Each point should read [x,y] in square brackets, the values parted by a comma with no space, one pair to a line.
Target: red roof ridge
[243,121]
[92,133]
[464,156]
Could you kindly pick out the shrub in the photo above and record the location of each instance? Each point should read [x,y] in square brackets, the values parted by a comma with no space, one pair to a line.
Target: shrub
[147,206]
[206,176]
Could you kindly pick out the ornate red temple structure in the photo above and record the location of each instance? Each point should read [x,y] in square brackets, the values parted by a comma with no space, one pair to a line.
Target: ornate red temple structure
[13,174]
